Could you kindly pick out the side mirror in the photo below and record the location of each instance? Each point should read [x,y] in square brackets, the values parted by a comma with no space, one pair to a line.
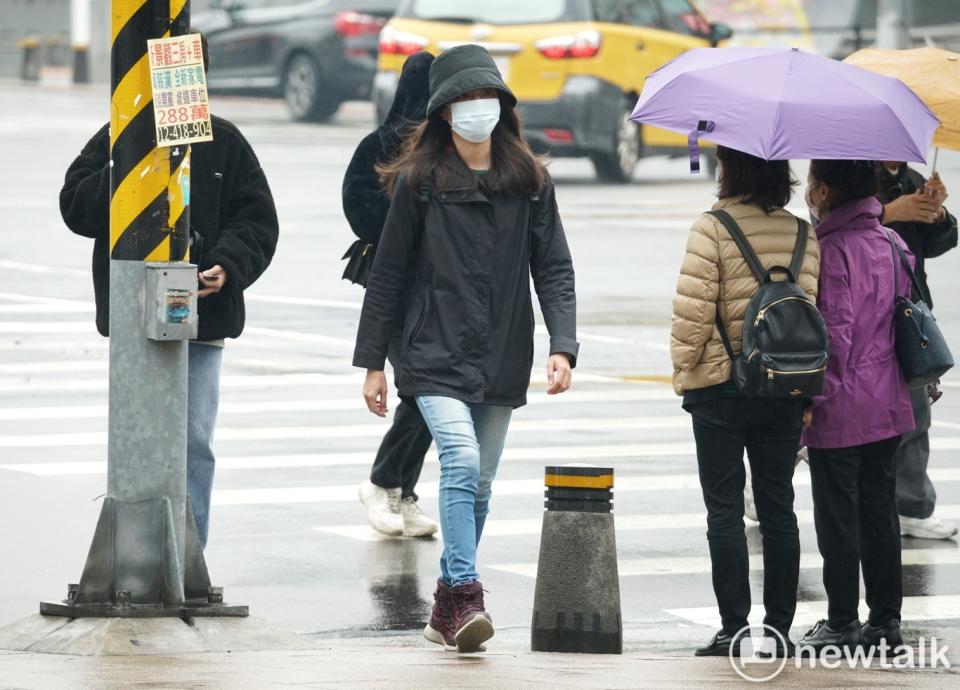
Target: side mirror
[719,32]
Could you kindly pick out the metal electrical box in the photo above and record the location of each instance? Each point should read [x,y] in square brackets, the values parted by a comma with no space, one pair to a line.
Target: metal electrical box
[171,301]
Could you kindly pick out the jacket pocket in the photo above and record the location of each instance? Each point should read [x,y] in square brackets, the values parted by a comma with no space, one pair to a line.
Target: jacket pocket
[418,325]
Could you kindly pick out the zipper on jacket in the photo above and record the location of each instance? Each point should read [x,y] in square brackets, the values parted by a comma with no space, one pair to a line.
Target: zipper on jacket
[763,312]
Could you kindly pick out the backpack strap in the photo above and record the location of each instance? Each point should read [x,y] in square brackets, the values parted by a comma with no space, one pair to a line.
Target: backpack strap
[750,256]
[753,261]
[800,250]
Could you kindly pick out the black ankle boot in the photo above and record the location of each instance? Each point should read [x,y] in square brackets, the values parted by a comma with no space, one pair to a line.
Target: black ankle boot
[822,635]
[719,645]
[889,631]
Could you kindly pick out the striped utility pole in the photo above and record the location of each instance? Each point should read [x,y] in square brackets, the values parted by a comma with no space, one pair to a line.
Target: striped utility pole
[145,559]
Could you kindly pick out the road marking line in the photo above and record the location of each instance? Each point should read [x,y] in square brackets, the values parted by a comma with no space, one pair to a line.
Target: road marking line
[36,268]
[700,565]
[53,367]
[502,487]
[40,309]
[935,607]
[46,328]
[640,522]
[260,381]
[654,393]
[371,429]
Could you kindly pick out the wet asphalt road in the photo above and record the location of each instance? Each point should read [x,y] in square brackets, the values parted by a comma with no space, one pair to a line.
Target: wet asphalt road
[288,536]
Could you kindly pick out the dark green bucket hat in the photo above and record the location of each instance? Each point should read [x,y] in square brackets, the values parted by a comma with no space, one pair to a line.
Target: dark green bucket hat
[462,69]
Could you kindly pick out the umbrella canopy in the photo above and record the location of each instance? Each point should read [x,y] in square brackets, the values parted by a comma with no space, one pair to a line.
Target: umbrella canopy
[932,73]
[787,104]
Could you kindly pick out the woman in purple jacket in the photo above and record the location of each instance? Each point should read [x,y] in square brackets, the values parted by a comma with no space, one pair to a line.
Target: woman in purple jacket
[854,426]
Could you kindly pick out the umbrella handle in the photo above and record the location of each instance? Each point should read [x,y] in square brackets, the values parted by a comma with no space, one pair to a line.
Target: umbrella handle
[936,155]
[693,145]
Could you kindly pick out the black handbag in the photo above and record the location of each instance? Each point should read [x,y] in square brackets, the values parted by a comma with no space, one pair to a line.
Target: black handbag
[921,348]
[359,262]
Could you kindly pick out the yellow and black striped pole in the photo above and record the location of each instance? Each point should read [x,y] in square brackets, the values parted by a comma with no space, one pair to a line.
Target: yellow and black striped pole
[149,206]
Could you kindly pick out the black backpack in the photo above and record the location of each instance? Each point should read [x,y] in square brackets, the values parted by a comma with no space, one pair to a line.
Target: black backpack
[785,345]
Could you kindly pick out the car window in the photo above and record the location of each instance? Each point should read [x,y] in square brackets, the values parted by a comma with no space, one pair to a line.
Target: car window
[680,16]
[606,11]
[642,13]
[495,11]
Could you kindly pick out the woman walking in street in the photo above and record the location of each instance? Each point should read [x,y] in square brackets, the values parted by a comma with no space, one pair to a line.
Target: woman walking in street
[854,427]
[389,494]
[473,216]
[714,289]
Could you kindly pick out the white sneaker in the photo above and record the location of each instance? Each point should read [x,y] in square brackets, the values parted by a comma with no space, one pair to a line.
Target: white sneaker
[416,523]
[926,528]
[383,508]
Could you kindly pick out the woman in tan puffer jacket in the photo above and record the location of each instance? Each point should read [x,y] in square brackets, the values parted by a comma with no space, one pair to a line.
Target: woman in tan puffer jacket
[715,282]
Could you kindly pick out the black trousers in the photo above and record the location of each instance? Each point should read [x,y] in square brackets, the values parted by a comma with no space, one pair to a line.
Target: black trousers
[769,431]
[400,458]
[855,512]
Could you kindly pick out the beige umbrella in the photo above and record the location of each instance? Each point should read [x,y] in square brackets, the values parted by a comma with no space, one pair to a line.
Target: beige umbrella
[933,74]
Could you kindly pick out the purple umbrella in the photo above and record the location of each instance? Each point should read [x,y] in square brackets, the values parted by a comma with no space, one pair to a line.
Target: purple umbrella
[786,105]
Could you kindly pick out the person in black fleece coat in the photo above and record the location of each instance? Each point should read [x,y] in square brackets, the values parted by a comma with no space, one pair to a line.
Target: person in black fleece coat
[389,494]
[234,223]
[231,210]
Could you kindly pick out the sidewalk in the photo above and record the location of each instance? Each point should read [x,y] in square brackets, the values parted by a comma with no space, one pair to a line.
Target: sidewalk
[403,662]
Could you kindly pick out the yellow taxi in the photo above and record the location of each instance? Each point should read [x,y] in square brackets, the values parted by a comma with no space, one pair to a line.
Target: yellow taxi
[576,66]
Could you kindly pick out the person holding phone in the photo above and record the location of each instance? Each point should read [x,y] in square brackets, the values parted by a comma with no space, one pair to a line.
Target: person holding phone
[234,231]
[913,207]
[473,216]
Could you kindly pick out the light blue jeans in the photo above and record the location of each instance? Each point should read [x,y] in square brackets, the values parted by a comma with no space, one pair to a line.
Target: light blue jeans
[203,399]
[469,440]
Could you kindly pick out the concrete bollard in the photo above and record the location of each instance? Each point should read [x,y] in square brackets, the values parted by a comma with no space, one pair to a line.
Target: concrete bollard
[577,601]
[32,59]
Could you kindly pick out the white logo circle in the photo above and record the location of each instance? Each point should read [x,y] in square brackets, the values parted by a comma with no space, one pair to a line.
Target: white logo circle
[742,664]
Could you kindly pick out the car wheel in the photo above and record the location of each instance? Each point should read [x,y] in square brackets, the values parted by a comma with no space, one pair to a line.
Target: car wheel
[303,91]
[617,166]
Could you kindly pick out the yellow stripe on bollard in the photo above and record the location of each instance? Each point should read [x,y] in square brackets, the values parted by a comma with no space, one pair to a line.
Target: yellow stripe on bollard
[562,481]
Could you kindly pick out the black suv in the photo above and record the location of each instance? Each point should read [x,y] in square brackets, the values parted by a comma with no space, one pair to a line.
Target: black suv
[315,53]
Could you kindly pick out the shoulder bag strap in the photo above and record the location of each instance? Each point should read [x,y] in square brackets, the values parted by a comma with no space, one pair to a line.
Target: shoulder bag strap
[898,250]
[746,250]
[800,250]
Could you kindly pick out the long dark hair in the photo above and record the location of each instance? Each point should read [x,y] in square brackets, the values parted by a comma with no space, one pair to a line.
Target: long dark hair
[848,180]
[514,168]
[767,184]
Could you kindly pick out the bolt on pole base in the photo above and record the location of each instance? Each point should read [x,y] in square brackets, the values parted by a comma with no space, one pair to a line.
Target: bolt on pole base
[189,610]
[132,570]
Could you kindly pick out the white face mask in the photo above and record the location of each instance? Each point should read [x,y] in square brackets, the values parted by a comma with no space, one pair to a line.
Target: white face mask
[475,120]
[813,208]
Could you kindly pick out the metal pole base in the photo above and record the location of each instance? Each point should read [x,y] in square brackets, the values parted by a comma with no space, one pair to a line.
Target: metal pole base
[132,569]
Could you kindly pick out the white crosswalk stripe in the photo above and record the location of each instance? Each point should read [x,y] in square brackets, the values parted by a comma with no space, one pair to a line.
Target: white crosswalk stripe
[925,608]
[640,522]
[293,435]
